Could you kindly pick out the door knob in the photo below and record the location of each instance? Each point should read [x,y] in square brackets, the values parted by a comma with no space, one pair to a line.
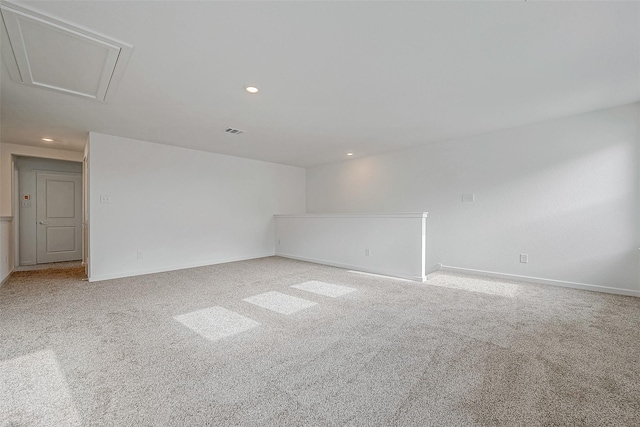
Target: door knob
[42,223]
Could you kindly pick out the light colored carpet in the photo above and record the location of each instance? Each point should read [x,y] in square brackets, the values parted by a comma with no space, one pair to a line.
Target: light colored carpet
[49,266]
[457,351]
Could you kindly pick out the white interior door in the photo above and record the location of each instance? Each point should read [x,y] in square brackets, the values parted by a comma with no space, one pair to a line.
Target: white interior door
[59,217]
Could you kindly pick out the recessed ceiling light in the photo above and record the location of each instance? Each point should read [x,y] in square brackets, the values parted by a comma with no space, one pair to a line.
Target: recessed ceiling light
[251,89]
[349,154]
[47,139]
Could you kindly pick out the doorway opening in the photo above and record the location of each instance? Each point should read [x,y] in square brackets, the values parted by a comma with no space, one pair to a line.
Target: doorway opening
[49,226]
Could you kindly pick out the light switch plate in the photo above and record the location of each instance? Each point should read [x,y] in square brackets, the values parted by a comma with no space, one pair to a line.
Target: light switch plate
[468,197]
[105,199]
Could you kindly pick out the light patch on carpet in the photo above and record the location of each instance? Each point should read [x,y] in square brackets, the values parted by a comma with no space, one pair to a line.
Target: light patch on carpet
[280,303]
[475,284]
[216,322]
[323,288]
[364,273]
[34,392]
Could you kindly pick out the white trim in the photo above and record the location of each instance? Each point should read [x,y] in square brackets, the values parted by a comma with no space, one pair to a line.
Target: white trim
[8,219]
[433,269]
[116,58]
[7,277]
[354,267]
[540,281]
[364,273]
[173,268]
[34,13]
[358,215]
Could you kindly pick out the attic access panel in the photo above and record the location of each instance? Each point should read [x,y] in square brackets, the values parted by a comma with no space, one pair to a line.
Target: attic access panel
[53,54]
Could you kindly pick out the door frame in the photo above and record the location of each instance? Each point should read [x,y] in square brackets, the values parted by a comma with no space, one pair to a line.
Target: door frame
[85,215]
[15,211]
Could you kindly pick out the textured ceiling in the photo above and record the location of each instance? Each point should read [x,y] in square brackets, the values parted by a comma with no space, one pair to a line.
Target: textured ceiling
[366,77]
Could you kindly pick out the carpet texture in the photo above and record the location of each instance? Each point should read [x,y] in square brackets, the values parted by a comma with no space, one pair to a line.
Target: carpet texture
[456,351]
[50,266]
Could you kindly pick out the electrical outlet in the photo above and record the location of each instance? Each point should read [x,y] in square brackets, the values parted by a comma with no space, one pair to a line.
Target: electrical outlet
[524,258]
[6,258]
[468,198]
[105,199]
[139,254]
[367,252]
[278,242]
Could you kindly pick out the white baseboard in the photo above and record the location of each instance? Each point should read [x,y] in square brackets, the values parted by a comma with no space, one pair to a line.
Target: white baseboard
[121,275]
[3,281]
[537,280]
[433,269]
[382,276]
[355,267]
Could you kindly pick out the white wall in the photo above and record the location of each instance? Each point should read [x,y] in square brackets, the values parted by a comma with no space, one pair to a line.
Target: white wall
[389,244]
[6,226]
[638,184]
[6,253]
[565,192]
[181,207]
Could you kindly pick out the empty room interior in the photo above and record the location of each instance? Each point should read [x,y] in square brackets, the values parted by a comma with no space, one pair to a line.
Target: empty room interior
[267,213]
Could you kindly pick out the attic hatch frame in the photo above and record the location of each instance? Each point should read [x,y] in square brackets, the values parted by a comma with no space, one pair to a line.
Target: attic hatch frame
[17,58]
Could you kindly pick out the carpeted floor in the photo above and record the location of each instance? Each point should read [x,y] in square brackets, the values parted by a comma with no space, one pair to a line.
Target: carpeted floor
[227,345]
[50,266]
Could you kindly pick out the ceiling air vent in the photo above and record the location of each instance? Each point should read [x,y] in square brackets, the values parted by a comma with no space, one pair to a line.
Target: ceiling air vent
[53,54]
[234,131]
